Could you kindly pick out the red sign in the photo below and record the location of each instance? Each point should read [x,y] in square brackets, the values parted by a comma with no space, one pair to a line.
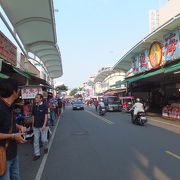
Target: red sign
[8,51]
[155,54]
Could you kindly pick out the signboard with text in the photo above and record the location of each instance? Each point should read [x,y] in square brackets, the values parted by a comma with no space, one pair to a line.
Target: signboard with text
[30,92]
[140,62]
[8,51]
[171,45]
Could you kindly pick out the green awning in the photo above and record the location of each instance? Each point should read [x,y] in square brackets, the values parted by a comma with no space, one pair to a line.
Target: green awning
[3,76]
[21,72]
[148,74]
[172,68]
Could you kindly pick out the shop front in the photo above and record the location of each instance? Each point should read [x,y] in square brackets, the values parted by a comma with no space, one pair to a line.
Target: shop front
[157,75]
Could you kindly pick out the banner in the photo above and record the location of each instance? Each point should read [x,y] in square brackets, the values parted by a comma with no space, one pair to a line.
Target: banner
[30,92]
[8,50]
[171,45]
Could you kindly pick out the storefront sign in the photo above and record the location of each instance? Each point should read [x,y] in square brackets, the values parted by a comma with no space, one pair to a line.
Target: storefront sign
[30,92]
[140,62]
[8,50]
[155,55]
[171,49]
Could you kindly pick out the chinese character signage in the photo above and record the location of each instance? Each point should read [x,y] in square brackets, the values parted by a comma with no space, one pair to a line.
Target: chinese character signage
[143,60]
[8,50]
[171,49]
[30,92]
[140,62]
[155,55]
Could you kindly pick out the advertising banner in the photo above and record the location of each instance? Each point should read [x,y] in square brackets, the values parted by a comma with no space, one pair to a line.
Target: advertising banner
[140,62]
[8,50]
[30,92]
[171,45]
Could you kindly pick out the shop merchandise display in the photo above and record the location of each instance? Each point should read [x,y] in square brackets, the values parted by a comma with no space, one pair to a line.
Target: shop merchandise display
[172,111]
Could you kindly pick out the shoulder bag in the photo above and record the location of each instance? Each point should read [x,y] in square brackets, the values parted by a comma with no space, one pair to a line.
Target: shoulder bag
[3,165]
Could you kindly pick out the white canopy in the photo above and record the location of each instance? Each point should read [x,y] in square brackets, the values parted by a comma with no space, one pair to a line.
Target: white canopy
[102,75]
[34,22]
[157,35]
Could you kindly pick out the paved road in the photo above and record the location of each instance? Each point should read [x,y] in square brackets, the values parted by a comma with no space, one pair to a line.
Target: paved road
[87,147]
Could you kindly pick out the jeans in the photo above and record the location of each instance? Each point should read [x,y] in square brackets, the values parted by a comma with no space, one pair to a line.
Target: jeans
[52,116]
[37,133]
[12,172]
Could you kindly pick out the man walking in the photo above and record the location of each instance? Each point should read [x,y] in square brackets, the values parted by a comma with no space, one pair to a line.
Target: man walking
[8,129]
[39,116]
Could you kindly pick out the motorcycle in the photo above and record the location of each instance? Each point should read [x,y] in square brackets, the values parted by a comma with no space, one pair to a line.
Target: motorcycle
[102,111]
[140,118]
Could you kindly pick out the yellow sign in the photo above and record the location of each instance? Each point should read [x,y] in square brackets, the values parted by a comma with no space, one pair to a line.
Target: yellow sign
[155,54]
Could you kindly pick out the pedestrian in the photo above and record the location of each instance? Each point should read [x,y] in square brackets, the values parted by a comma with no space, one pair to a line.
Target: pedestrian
[59,107]
[96,103]
[9,136]
[39,124]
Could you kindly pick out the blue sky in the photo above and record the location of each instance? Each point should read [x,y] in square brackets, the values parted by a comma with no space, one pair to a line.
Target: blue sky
[95,33]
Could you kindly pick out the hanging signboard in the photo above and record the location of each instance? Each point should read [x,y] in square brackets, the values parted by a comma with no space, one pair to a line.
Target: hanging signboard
[8,50]
[30,92]
[171,45]
[140,62]
[155,55]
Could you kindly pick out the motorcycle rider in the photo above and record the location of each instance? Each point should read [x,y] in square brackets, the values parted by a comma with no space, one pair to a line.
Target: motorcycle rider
[101,104]
[138,107]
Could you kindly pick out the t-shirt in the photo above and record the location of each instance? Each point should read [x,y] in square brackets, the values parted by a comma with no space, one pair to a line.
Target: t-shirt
[39,112]
[59,103]
[5,124]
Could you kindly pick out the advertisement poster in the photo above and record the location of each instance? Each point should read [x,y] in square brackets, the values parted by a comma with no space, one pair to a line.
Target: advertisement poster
[30,92]
[171,45]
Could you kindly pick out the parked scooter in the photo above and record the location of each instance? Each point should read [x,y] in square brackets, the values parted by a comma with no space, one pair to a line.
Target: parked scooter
[140,118]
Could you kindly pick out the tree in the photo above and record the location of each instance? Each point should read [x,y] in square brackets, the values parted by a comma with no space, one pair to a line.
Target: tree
[61,88]
[73,92]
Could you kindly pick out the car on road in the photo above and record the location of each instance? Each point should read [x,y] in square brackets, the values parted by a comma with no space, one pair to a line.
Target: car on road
[77,105]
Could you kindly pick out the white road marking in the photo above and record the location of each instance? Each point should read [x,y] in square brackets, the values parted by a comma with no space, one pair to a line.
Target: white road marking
[43,162]
[100,117]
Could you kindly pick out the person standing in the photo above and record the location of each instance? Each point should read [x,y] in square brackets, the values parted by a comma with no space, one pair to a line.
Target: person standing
[96,103]
[39,122]
[59,107]
[9,136]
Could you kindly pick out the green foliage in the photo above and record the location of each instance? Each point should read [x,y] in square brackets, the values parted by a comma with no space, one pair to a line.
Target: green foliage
[62,88]
[73,92]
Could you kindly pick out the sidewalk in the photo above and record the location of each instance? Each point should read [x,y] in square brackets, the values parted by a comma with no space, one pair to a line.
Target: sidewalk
[28,167]
[166,123]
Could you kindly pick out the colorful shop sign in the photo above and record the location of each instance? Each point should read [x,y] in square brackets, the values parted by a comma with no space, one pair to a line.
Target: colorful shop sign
[140,62]
[8,50]
[30,92]
[155,55]
[171,45]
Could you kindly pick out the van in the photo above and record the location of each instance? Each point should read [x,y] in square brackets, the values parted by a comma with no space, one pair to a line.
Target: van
[112,103]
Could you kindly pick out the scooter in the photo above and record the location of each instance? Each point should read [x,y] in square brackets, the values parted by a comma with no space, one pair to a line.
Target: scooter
[102,111]
[140,118]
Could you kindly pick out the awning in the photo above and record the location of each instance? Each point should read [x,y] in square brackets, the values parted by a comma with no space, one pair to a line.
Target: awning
[3,76]
[23,73]
[126,61]
[167,69]
[34,22]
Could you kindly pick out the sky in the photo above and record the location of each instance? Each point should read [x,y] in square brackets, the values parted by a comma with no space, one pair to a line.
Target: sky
[93,34]
[96,33]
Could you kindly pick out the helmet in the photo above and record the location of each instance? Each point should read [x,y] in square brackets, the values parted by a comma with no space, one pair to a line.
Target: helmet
[101,100]
[137,99]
